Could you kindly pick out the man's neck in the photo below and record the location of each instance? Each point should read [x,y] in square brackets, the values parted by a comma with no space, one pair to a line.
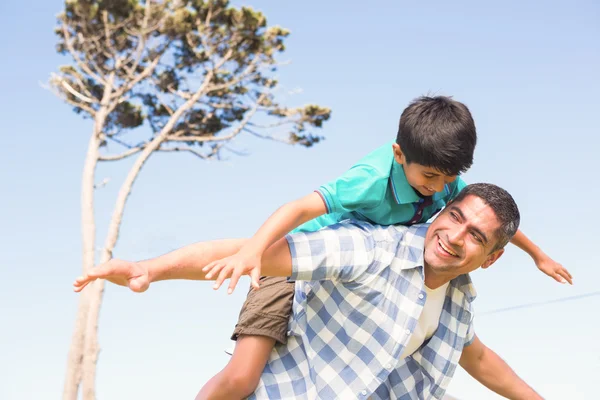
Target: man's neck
[432,280]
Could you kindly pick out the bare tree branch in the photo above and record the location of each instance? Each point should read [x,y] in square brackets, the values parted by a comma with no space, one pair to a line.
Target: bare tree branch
[249,69]
[268,137]
[141,40]
[233,134]
[73,53]
[76,93]
[142,75]
[274,125]
[117,157]
[107,35]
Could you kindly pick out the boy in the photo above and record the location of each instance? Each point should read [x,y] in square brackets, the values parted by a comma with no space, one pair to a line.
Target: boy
[407,185]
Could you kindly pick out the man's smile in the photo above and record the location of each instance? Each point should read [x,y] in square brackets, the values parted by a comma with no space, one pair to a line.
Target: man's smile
[446,249]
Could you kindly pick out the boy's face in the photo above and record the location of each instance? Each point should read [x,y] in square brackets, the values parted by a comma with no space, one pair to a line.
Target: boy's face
[425,180]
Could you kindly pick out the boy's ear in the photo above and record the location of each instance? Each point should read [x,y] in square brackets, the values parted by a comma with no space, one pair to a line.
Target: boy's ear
[398,154]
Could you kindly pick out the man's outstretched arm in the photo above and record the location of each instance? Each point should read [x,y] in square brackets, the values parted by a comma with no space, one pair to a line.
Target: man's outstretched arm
[186,263]
[495,374]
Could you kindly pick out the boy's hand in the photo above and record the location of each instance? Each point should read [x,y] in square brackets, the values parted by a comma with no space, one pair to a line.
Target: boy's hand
[554,270]
[234,267]
[119,272]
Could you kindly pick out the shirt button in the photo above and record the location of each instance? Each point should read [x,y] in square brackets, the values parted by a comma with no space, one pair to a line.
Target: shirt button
[389,366]
[364,392]
[421,296]
[407,331]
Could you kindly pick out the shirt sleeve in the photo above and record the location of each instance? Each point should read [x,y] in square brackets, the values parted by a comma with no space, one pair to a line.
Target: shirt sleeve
[362,186]
[470,334]
[340,252]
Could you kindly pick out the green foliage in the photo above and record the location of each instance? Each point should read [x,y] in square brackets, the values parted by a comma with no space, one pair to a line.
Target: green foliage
[137,63]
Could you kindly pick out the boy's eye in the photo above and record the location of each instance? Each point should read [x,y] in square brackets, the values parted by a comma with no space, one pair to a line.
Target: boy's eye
[428,176]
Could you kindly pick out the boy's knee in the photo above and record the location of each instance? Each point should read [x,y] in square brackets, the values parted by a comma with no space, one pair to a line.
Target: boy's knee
[240,382]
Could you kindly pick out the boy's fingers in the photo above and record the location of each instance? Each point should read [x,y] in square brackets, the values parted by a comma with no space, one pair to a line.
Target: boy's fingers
[79,287]
[558,277]
[222,276]
[568,273]
[255,277]
[215,269]
[566,276]
[235,277]
[210,266]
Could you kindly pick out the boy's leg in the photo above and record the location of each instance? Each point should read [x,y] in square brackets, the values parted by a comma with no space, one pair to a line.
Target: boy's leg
[263,321]
[240,376]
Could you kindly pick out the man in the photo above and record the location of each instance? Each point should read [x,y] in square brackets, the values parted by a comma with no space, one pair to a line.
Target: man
[378,312]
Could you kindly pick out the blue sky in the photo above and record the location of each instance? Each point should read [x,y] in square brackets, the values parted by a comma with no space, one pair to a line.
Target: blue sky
[528,72]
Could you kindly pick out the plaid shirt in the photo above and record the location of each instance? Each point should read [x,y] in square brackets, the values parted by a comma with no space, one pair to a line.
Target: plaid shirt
[359,293]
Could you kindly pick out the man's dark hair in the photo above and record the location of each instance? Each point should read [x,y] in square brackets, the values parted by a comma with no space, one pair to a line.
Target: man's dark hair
[438,132]
[503,205]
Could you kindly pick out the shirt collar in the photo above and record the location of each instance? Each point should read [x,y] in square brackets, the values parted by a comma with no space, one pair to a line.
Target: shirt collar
[403,192]
[465,285]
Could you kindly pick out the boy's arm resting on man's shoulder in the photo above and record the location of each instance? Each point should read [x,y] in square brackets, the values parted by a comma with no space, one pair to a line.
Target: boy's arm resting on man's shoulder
[248,258]
[495,374]
[285,219]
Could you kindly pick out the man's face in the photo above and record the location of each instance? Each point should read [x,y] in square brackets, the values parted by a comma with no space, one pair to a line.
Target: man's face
[461,239]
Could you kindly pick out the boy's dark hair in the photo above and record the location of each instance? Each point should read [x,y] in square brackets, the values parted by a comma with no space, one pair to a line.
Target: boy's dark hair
[438,132]
[504,207]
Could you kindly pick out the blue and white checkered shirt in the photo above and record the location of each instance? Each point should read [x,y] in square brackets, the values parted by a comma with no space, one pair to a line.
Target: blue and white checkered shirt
[359,293]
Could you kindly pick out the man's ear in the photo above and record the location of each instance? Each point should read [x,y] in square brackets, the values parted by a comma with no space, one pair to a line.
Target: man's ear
[492,258]
[398,154]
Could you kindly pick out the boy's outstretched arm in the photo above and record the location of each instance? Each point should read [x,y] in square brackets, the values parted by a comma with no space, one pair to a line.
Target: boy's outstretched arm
[544,263]
[186,263]
[495,374]
[280,223]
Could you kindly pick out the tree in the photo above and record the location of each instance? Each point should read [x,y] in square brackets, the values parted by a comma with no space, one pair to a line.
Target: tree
[192,74]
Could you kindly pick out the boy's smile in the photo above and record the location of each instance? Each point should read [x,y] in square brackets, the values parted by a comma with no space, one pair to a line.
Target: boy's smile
[425,180]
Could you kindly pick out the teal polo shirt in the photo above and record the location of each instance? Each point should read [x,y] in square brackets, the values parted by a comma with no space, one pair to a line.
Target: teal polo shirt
[376,190]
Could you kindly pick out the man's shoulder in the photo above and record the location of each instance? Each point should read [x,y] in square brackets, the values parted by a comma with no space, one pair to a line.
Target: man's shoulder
[413,235]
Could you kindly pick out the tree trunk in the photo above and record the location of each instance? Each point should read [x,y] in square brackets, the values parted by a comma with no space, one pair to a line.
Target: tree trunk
[88,226]
[96,289]
[88,232]
[90,345]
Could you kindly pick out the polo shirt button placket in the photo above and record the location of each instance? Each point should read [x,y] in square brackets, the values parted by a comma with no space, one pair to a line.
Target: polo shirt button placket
[363,393]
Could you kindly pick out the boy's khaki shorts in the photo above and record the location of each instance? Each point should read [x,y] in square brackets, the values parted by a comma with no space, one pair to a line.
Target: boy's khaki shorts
[266,311]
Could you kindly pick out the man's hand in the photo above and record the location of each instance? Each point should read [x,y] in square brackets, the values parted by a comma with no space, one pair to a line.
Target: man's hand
[234,266]
[554,270]
[119,272]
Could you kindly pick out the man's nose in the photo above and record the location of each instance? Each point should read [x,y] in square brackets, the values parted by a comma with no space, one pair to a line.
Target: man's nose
[456,236]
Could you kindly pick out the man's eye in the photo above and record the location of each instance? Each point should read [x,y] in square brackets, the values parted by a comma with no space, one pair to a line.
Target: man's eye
[454,216]
[476,237]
